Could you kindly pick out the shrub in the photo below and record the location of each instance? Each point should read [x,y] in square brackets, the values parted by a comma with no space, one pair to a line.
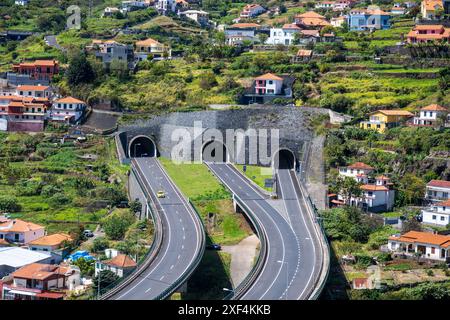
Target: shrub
[9,204]
[116,224]
[100,244]
[59,199]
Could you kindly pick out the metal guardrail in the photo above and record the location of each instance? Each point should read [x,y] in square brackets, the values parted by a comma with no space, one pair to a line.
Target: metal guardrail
[250,278]
[325,266]
[201,248]
[243,287]
[151,253]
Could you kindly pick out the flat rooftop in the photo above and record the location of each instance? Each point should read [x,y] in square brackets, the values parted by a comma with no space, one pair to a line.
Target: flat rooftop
[17,257]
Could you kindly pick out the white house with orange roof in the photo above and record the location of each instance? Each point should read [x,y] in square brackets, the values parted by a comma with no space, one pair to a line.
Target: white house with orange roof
[68,109]
[284,35]
[55,244]
[377,193]
[426,245]
[120,264]
[429,115]
[19,231]
[311,20]
[251,11]
[358,170]
[431,9]
[37,91]
[151,48]
[437,190]
[437,214]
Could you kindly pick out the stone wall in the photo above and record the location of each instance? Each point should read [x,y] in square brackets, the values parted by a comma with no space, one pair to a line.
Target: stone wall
[292,122]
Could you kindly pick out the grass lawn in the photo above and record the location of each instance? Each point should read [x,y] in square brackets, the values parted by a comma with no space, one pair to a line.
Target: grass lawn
[209,196]
[257,174]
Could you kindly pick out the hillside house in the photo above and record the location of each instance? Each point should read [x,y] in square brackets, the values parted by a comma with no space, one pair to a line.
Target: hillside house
[338,22]
[199,16]
[19,113]
[38,281]
[268,87]
[437,214]
[109,50]
[284,35]
[437,191]
[382,119]
[37,70]
[251,11]
[54,244]
[19,231]
[120,264]
[426,245]
[428,33]
[429,116]
[68,110]
[34,91]
[397,9]
[151,48]
[237,33]
[377,193]
[311,20]
[13,258]
[431,9]
[368,19]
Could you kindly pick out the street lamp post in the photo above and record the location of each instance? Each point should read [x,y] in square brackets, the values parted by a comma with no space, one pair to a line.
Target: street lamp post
[287,276]
[228,290]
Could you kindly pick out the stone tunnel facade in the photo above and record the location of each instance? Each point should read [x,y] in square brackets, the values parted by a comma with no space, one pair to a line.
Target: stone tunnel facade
[252,135]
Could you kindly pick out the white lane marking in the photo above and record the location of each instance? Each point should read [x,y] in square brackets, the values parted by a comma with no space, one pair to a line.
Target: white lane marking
[171,267]
[160,279]
[146,291]
[179,256]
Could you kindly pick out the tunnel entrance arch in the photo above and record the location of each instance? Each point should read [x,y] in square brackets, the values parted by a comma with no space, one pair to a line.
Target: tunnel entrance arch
[284,159]
[142,146]
[214,151]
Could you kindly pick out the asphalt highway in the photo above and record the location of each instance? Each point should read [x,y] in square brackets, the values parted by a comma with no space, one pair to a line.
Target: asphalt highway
[182,236]
[293,259]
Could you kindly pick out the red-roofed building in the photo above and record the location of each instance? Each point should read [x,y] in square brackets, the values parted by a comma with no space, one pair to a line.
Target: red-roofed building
[120,264]
[268,87]
[428,33]
[437,190]
[377,194]
[38,281]
[20,231]
[428,245]
[251,11]
[68,109]
[38,70]
[429,116]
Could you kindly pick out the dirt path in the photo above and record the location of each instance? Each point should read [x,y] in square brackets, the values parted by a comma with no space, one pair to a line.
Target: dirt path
[242,258]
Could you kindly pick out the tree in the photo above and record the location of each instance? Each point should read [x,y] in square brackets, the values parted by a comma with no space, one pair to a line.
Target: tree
[411,190]
[100,244]
[87,267]
[79,70]
[135,206]
[119,69]
[104,279]
[9,204]
[116,224]
[348,188]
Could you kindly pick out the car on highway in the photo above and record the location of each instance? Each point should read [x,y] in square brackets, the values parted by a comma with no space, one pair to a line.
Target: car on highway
[161,194]
[213,246]
[88,233]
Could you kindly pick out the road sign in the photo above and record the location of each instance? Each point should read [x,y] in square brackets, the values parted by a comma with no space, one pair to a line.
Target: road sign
[268,183]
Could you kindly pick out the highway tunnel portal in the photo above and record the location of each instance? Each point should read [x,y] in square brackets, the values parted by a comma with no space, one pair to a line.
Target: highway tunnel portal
[142,146]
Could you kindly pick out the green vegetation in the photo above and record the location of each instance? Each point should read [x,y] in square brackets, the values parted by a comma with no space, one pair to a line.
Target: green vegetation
[258,174]
[47,182]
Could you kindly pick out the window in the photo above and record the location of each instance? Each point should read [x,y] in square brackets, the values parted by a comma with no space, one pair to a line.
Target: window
[434,217]
[432,250]
[445,195]
[442,218]
[270,82]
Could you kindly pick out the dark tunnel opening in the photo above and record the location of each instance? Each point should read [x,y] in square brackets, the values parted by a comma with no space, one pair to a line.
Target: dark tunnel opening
[284,159]
[214,151]
[142,147]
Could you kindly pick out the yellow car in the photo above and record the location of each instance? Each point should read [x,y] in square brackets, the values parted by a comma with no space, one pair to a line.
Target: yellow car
[161,194]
